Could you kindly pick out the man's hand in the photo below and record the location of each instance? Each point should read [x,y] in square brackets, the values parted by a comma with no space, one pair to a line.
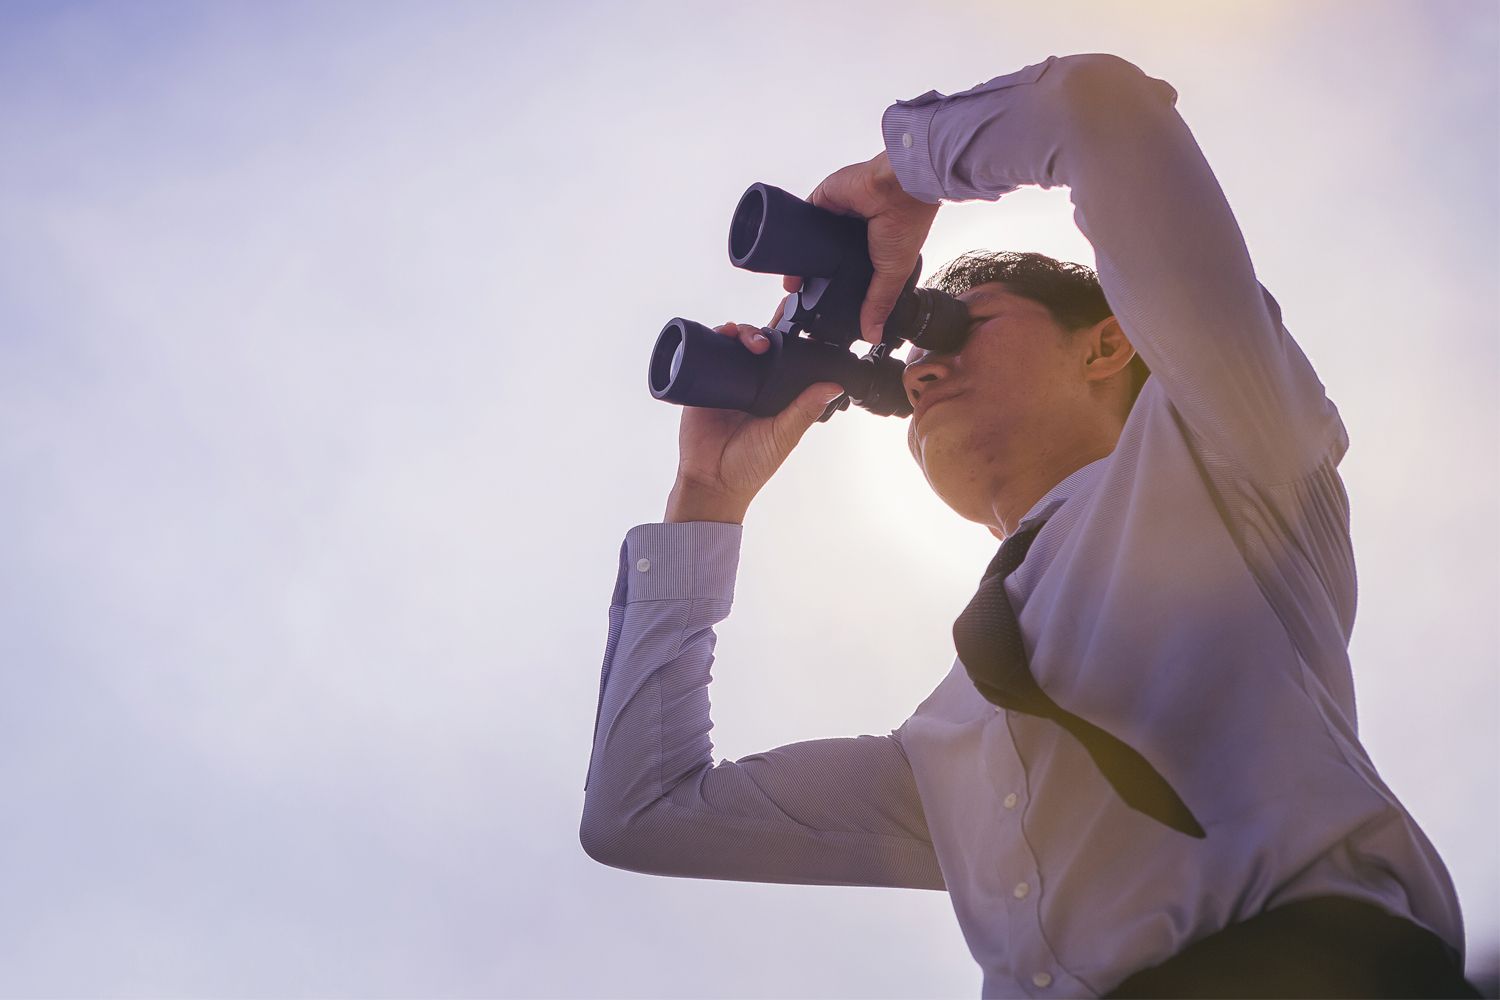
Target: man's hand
[898,227]
[726,456]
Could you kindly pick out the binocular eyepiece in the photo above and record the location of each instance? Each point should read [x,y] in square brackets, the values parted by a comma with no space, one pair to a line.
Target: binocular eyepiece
[774,232]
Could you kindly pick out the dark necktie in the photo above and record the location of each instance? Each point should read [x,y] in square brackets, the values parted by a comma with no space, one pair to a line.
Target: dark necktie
[988,639]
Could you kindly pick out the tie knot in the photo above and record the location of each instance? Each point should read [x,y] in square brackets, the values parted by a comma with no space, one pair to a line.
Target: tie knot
[1013,551]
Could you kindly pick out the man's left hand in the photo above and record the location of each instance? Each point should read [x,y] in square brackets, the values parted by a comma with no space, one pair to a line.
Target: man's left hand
[898,227]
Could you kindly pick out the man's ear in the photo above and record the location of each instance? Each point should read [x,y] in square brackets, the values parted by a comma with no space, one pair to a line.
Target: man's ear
[1109,350]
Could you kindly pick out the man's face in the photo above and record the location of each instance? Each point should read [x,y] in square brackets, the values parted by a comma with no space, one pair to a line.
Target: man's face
[998,410]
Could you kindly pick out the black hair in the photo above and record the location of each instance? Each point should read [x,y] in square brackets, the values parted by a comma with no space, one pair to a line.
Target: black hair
[1070,292]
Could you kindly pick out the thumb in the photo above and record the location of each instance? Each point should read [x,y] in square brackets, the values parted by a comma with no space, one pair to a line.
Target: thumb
[804,411]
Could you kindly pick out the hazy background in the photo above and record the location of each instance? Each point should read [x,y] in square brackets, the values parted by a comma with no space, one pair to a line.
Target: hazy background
[323,411]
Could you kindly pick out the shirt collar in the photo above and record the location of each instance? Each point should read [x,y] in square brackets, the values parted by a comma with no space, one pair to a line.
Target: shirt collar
[1079,483]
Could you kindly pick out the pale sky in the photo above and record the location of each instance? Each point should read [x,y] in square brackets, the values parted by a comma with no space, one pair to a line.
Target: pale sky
[323,411]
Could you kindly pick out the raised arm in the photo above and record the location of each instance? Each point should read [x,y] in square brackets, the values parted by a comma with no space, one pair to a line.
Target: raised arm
[822,812]
[1171,258]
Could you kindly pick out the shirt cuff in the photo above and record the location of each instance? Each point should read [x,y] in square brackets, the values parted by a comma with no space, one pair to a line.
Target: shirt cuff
[679,561]
[905,125]
[907,128]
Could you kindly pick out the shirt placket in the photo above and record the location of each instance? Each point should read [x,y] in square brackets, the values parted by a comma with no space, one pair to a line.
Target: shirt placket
[1033,964]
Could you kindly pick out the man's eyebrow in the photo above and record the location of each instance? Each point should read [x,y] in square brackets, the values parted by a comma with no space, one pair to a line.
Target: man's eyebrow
[986,298]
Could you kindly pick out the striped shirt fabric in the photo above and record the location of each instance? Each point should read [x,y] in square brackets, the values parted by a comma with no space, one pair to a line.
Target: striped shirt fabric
[1192,593]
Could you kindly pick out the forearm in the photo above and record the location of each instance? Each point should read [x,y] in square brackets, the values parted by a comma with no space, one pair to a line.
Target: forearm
[828,812]
[674,583]
[1171,258]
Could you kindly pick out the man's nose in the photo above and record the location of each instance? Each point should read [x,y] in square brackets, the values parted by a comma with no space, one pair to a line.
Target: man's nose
[919,377]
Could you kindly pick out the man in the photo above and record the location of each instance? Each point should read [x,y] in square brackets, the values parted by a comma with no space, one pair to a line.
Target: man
[1180,805]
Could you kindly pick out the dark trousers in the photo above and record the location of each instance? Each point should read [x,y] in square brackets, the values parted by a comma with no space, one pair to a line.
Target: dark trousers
[1328,946]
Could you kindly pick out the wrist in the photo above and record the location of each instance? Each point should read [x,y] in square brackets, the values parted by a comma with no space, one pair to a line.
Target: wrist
[688,503]
[883,176]
[887,187]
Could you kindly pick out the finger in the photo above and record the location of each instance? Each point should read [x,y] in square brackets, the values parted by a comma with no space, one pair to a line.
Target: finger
[791,283]
[819,196]
[780,311]
[804,411]
[752,338]
[880,299]
[844,191]
[746,334]
[830,194]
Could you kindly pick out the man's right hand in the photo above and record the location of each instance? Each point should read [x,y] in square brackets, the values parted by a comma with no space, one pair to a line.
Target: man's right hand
[898,226]
[726,456]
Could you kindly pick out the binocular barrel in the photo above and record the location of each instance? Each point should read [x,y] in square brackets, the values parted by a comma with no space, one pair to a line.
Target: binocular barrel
[694,366]
[775,232]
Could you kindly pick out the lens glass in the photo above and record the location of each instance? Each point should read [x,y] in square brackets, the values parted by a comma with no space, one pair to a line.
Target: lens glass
[744,228]
[666,358]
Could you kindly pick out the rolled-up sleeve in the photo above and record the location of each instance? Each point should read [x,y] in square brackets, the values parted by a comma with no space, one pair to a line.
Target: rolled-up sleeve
[841,811]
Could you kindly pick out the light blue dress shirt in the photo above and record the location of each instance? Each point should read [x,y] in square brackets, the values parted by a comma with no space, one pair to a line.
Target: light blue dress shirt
[1192,593]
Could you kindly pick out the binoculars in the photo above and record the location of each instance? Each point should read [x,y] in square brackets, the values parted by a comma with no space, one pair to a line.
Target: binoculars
[774,232]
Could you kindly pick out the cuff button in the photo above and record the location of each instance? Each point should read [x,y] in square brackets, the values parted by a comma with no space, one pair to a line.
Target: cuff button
[643,565]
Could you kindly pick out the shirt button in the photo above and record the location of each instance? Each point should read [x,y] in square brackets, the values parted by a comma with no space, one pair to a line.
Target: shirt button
[1010,801]
[643,565]
[906,139]
[1042,979]
[1022,890]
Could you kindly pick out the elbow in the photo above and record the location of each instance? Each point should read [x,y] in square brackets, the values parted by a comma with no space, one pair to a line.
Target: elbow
[630,842]
[596,838]
[1104,93]
[603,839]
